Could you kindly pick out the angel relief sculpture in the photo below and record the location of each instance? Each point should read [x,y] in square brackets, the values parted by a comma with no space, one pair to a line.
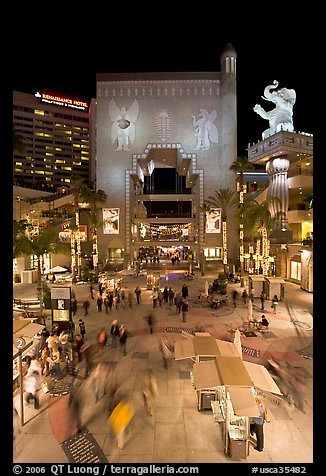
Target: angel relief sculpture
[205,129]
[123,129]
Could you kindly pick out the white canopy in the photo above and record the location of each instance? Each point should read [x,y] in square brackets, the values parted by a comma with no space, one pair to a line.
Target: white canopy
[58,269]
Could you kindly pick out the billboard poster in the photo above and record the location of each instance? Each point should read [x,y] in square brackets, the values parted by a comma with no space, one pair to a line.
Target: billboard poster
[213,221]
[111,221]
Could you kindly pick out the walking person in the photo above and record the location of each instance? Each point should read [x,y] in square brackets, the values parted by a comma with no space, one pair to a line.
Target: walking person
[171,296]
[244,297]
[166,349]
[123,339]
[150,390]
[79,342]
[31,386]
[184,291]
[154,297]
[91,290]
[120,419]
[184,309]
[99,303]
[274,303]
[234,297]
[114,331]
[106,305]
[178,303]
[71,330]
[74,305]
[150,321]
[262,300]
[86,306]
[252,295]
[138,293]
[82,328]
[257,424]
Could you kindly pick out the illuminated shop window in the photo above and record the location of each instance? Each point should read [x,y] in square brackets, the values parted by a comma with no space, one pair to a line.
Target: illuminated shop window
[296,270]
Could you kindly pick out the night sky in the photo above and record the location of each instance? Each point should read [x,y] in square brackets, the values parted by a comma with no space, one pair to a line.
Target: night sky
[260,60]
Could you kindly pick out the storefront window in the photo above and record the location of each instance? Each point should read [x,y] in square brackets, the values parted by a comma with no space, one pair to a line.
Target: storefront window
[296,270]
[213,253]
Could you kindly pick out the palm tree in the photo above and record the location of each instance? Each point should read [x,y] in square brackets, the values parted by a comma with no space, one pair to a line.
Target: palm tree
[241,164]
[46,241]
[257,220]
[78,185]
[93,197]
[224,199]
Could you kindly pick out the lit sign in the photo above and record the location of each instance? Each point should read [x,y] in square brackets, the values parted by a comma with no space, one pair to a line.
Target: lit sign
[62,101]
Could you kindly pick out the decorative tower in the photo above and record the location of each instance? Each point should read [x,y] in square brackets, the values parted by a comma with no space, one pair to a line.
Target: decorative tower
[228,148]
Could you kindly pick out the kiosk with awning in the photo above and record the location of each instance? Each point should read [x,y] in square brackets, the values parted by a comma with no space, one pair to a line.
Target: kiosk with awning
[226,384]
[257,283]
[275,286]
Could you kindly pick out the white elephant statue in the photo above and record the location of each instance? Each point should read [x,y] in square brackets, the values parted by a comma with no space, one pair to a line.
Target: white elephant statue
[281,117]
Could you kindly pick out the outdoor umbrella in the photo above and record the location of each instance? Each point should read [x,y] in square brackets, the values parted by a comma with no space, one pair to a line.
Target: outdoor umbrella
[237,342]
[206,288]
[58,269]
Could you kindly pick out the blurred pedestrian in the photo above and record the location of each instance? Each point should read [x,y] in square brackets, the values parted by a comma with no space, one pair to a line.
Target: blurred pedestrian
[184,309]
[120,419]
[244,297]
[150,390]
[234,297]
[252,295]
[31,386]
[123,333]
[262,300]
[102,339]
[150,321]
[86,306]
[91,290]
[166,349]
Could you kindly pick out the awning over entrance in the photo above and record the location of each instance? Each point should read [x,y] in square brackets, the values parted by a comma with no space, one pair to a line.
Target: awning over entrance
[243,401]
[261,378]
[26,329]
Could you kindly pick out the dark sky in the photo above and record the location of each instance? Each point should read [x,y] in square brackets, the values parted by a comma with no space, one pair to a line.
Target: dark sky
[260,60]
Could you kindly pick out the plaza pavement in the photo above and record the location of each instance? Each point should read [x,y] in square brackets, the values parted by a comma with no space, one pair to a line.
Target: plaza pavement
[177,432]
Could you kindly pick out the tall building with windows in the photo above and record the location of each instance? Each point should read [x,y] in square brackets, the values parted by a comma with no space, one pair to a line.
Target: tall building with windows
[56,133]
[165,142]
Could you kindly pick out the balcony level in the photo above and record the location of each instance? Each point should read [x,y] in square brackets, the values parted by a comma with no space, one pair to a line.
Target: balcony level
[291,144]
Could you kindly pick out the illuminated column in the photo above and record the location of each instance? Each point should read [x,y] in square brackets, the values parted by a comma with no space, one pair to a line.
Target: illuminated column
[278,187]
[241,231]
[225,248]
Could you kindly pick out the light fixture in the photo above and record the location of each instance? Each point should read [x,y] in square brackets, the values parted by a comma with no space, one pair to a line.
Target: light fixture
[307,163]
